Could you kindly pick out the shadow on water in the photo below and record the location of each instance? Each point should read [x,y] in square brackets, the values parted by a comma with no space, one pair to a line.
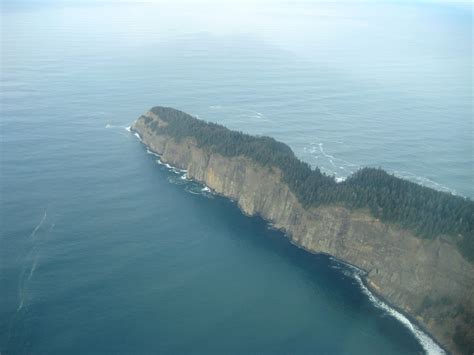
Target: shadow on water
[333,278]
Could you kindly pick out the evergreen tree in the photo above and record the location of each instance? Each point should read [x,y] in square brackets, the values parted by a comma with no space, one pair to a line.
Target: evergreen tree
[427,212]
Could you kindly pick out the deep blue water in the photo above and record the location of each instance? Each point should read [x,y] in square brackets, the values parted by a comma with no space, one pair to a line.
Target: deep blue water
[103,250]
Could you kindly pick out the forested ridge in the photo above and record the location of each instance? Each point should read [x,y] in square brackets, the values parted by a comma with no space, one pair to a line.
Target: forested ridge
[427,212]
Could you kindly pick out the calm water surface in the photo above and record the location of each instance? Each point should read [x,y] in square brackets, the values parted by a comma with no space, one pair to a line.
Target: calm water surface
[104,250]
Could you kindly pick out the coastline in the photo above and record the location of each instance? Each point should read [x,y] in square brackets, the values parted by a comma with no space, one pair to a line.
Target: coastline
[425,338]
[379,301]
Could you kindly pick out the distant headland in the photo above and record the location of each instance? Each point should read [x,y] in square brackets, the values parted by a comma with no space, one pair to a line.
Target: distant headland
[415,244]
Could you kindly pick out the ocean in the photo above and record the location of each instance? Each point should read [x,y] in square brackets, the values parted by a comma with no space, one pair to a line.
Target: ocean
[105,250]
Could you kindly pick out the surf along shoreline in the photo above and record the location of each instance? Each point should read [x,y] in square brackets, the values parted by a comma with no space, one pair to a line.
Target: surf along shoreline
[426,339]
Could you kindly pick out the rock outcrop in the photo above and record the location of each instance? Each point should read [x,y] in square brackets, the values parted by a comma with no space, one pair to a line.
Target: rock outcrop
[428,280]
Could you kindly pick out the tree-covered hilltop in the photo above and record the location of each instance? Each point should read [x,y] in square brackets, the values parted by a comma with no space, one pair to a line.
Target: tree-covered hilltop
[425,211]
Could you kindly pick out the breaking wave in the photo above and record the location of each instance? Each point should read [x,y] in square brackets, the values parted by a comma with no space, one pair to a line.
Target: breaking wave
[426,342]
[196,188]
[341,168]
[430,347]
[180,177]
[330,164]
[125,127]
[138,136]
[152,153]
[38,226]
[193,187]
[424,181]
[31,262]
[242,112]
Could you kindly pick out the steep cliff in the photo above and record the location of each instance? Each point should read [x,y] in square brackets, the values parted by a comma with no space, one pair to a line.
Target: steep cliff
[427,279]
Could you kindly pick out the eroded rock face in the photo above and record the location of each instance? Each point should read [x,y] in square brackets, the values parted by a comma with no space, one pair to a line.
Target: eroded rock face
[427,279]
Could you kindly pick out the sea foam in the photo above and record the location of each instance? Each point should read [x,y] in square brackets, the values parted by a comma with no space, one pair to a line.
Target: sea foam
[33,233]
[138,136]
[426,342]
[152,153]
[424,339]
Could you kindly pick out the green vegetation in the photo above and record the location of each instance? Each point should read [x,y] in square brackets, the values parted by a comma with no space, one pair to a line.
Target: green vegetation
[425,211]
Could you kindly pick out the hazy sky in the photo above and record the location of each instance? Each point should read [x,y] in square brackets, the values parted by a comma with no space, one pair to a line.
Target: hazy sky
[452,2]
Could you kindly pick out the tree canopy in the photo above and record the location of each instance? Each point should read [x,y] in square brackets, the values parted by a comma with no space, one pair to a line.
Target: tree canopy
[427,212]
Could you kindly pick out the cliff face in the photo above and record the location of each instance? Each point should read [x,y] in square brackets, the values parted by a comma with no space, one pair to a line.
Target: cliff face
[427,279]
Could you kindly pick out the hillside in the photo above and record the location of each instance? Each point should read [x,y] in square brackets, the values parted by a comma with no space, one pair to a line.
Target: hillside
[427,212]
[414,243]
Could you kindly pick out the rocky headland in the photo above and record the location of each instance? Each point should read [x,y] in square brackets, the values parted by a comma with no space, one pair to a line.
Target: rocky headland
[429,279]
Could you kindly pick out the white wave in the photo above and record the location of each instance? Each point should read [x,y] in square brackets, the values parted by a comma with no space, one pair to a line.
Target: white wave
[244,112]
[22,289]
[176,170]
[22,302]
[30,267]
[426,342]
[254,114]
[424,181]
[152,153]
[171,168]
[328,156]
[176,181]
[343,270]
[128,128]
[33,268]
[23,284]
[351,267]
[345,162]
[338,165]
[330,164]
[138,136]
[193,192]
[196,189]
[38,226]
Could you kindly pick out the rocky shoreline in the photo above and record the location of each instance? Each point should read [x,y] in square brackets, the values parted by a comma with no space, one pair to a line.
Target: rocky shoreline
[402,270]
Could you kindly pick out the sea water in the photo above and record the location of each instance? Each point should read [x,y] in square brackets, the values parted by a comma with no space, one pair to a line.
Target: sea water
[104,249]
